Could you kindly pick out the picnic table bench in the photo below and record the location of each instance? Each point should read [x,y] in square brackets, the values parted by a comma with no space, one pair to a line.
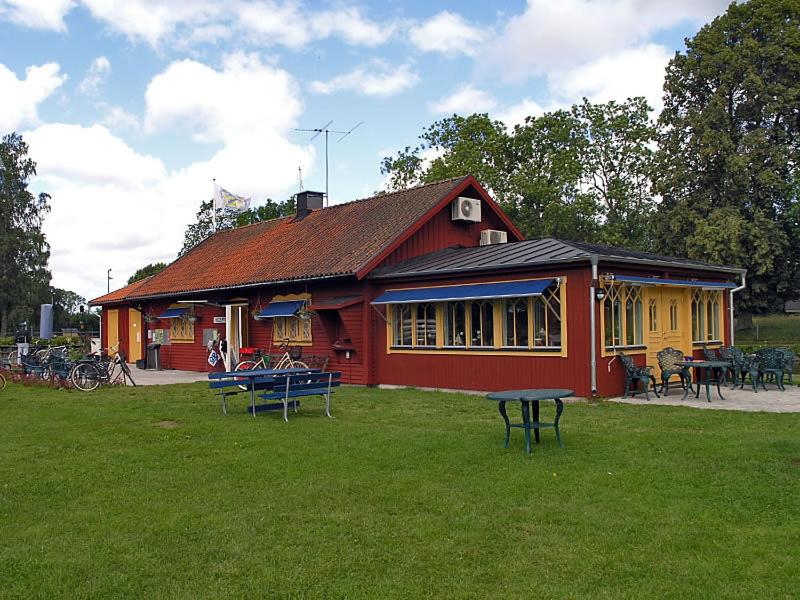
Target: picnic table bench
[297,385]
[276,384]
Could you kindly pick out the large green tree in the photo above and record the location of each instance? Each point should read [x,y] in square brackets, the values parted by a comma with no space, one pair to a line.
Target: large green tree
[727,165]
[229,219]
[147,271]
[24,276]
[581,173]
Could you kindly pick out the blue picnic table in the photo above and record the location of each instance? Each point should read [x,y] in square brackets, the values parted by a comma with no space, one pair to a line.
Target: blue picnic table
[255,379]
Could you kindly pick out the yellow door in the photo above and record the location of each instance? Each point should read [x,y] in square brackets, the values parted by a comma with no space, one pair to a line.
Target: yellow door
[134,335]
[667,323]
[113,328]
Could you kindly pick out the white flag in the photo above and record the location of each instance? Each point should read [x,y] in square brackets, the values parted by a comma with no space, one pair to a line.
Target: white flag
[225,199]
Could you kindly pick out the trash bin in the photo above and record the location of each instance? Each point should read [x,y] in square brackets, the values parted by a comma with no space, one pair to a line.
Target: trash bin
[153,358]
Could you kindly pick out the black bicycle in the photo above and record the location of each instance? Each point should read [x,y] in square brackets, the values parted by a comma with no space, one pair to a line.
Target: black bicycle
[101,369]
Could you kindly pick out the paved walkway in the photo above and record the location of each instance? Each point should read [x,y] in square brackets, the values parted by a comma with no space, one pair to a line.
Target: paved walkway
[744,400]
[143,377]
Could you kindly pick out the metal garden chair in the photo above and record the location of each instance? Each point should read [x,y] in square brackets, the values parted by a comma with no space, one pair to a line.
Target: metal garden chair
[671,362]
[771,366]
[742,367]
[788,363]
[634,375]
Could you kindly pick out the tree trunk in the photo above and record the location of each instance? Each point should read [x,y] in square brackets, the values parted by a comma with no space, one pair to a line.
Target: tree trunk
[4,321]
[744,320]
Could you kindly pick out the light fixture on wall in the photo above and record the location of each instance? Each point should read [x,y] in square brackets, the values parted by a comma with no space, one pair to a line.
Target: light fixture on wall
[600,294]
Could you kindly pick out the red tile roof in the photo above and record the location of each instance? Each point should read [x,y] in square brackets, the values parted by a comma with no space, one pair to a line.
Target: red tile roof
[121,294]
[334,241]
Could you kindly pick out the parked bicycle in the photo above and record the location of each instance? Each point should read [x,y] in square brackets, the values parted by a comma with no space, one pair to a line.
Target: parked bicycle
[101,369]
[265,361]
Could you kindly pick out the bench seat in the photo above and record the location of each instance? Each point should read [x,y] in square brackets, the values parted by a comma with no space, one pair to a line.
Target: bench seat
[298,385]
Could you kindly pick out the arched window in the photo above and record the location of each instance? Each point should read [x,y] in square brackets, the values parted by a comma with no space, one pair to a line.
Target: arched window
[455,325]
[426,325]
[515,323]
[482,323]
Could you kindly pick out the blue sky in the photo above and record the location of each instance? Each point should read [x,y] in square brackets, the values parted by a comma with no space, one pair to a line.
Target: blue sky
[130,107]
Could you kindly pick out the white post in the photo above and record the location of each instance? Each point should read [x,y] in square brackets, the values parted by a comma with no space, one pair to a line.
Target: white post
[228,337]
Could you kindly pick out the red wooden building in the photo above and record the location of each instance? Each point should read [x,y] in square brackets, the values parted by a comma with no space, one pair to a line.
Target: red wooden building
[430,287]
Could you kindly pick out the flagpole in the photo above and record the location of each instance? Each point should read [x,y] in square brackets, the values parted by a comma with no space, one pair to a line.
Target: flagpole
[214,207]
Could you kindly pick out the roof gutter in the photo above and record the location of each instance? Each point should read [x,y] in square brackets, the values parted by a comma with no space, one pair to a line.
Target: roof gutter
[730,303]
[592,326]
[593,259]
[235,287]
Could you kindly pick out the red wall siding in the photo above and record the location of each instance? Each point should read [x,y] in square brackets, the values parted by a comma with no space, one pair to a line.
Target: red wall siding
[442,232]
[497,372]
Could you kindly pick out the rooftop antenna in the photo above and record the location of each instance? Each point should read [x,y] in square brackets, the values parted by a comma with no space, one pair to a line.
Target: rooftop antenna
[325,129]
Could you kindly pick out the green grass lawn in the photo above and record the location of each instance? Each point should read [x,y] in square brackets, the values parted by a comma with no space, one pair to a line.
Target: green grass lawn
[772,330]
[406,494]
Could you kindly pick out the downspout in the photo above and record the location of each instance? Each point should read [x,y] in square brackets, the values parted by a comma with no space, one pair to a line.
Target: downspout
[592,326]
[730,304]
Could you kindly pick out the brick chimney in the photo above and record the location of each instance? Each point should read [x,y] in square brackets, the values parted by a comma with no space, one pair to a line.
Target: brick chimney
[307,201]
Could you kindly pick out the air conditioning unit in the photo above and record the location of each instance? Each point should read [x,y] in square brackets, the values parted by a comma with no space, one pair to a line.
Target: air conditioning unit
[493,236]
[467,209]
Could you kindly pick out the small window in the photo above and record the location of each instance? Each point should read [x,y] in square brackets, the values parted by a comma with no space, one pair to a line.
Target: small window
[426,325]
[653,314]
[515,324]
[673,315]
[455,325]
[547,318]
[482,324]
[181,329]
[401,325]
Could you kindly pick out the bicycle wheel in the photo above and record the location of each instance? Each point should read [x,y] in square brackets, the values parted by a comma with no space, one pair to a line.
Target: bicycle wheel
[127,370]
[2,382]
[245,365]
[85,377]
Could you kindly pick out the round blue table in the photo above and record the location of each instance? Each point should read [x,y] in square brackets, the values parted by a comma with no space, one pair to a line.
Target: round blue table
[526,398]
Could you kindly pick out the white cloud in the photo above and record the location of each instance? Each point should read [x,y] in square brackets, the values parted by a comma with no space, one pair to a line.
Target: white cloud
[20,97]
[465,100]
[91,155]
[515,114]
[382,83]
[36,14]
[449,34]
[117,118]
[185,23]
[135,208]
[561,34]
[352,26]
[95,76]
[153,20]
[632,72]
[247,97]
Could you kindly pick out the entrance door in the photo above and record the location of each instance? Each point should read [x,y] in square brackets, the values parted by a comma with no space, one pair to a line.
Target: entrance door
[667,323]
[113,328]
[236,319]
[134,335]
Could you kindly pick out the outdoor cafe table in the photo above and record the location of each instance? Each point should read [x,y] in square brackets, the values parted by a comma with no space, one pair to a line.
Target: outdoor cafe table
[249,379]
[707,367]
[526,398]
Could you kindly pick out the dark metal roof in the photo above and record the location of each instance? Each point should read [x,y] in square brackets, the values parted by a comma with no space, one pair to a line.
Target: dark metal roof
[543,252]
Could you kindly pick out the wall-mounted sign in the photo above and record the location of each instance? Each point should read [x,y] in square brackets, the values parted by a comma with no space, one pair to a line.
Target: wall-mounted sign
[219,320]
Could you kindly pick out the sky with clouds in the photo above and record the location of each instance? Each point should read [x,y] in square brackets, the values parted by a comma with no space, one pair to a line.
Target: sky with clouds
[131,107]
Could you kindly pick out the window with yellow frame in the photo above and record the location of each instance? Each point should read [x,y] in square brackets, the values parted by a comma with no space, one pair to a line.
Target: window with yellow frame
[706,309]
[181,329]
[623,316]
[525,323]
[296,329]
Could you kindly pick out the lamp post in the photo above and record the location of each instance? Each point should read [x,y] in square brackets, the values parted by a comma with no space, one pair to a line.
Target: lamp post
[108,280]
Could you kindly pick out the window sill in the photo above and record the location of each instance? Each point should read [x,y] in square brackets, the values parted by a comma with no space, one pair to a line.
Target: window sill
[708,343]
[631,347]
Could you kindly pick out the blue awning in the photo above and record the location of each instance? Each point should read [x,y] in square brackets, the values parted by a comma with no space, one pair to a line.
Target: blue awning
[475,291]
[285,308]
[173,313]
[677,282]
